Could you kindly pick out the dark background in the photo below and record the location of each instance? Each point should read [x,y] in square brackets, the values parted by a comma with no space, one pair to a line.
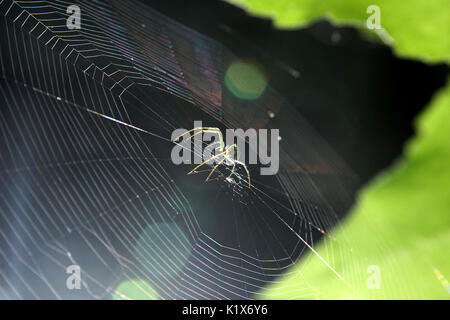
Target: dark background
[354,92]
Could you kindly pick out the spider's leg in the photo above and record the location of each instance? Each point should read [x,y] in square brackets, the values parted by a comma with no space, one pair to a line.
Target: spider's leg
[220,147]
[178,137]
[232,170]
[222,144]
[209,175]
[219,133]
[246,170]
[207,160]
[215,142]
[202,129]
[232,160]
[235,157]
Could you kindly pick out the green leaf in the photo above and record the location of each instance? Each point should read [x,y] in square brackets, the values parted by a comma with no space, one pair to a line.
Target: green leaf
[401,225]
[418,28]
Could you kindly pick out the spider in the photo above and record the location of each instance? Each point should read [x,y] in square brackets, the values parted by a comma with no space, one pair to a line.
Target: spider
[224,151]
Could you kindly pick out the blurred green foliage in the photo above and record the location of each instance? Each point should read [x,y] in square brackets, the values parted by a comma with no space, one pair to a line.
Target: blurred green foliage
[401,225]
[135,289]
[401,222]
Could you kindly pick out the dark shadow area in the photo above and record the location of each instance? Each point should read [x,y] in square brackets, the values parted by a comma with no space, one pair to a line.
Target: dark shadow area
[359,96]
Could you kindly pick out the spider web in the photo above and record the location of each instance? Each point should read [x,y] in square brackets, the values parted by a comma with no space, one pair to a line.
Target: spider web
[86,175]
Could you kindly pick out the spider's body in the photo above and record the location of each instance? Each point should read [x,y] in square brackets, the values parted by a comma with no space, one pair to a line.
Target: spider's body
[224,152]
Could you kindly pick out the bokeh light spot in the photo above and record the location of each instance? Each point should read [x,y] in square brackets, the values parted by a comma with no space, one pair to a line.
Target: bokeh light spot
[135,289]
[246,79]
[162,251]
